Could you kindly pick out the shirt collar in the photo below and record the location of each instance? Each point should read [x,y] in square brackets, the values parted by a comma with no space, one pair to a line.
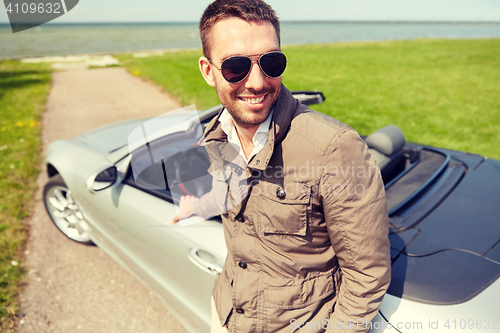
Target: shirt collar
[259,138]
[227,124]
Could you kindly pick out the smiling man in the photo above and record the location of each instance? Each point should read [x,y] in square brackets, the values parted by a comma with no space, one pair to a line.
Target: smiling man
[250,99]
[301,198]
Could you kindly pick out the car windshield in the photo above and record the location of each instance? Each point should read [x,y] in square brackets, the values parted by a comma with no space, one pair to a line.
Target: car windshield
[179,167]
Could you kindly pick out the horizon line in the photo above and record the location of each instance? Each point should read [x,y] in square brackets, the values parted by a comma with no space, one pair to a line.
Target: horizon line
[282,21]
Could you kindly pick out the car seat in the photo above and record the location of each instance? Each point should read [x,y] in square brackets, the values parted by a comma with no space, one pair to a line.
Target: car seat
[386,146]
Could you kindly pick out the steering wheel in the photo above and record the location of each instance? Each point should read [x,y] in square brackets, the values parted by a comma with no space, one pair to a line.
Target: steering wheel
[189,167]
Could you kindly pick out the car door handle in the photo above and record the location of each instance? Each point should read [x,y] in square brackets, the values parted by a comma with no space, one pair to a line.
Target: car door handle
[205,260]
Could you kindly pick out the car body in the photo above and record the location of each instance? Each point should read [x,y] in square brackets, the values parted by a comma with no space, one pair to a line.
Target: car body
[110,187]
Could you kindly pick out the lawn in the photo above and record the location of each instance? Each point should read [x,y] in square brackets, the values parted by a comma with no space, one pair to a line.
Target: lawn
[23,92]
[439,92]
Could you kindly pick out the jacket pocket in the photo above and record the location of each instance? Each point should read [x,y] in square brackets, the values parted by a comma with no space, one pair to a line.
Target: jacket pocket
[284,210]
[302,294]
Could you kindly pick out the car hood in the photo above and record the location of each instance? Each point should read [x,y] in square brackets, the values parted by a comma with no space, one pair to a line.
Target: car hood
[454,252]
[467,219]
[113,137]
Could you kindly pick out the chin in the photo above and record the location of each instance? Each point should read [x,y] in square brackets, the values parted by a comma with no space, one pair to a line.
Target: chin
[250,117]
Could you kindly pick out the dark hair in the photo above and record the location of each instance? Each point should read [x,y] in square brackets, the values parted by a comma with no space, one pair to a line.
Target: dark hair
[248,10]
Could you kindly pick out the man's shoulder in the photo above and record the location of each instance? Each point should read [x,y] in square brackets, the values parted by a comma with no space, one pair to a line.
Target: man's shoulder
[317,127]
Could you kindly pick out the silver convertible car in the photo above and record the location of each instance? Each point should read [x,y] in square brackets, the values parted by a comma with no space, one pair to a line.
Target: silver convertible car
[117,187]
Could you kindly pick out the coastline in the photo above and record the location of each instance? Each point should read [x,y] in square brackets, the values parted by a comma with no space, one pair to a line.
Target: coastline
[111,38]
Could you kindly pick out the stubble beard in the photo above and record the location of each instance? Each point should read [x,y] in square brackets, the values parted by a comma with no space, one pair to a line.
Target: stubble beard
[248,118]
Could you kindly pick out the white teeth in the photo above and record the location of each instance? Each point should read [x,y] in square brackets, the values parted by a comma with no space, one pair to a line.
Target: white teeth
[254,100]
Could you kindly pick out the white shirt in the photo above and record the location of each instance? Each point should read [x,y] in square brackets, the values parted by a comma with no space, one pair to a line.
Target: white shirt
[259,139]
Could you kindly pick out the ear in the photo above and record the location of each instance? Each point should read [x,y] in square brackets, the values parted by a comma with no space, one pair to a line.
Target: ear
[206,71]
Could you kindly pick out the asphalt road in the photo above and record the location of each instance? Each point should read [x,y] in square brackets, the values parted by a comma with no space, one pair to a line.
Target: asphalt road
[73,287]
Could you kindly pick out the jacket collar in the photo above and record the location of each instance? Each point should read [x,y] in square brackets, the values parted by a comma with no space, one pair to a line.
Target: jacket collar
[284,110]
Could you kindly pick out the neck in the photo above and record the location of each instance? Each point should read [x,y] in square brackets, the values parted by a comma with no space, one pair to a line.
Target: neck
[245,134]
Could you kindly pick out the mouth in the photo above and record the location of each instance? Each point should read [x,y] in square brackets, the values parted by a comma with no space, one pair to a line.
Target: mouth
[253,100]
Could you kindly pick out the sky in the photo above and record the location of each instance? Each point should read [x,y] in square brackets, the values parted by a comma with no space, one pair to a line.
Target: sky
[287,10]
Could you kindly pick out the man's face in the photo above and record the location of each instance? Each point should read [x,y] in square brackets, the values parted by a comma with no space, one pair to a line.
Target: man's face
[250,100]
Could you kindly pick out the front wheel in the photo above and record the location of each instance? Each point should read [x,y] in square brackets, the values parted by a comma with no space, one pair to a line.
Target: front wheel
[65,211]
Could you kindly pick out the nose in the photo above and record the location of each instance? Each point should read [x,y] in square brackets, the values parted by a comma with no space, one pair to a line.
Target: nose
[256,80]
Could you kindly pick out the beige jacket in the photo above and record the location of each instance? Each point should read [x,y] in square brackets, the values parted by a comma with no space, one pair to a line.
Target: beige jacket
[307,232]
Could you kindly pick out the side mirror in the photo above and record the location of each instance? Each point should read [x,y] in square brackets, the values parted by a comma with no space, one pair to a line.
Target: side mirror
[102,179]
[309,97]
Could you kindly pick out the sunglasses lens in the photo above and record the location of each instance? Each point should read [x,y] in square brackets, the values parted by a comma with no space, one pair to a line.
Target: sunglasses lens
[273,64]
[236,69]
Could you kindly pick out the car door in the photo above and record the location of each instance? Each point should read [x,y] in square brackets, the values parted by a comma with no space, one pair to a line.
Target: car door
[178,262]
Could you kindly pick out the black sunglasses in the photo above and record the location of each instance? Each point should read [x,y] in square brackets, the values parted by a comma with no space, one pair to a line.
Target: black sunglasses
[236,69]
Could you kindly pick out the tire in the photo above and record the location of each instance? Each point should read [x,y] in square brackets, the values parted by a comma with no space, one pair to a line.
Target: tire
[64,211]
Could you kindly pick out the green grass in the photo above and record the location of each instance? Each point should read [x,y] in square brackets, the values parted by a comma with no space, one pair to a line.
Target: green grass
[23,92]
[177,73]
[439,92]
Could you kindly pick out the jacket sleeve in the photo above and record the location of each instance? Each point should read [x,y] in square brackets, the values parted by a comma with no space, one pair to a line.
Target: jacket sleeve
[355,210]
[214,202]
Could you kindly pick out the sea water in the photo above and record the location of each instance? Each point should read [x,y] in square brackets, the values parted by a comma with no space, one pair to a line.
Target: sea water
[70,39]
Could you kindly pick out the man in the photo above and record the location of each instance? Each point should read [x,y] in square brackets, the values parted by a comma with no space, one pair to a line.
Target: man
[306,230]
